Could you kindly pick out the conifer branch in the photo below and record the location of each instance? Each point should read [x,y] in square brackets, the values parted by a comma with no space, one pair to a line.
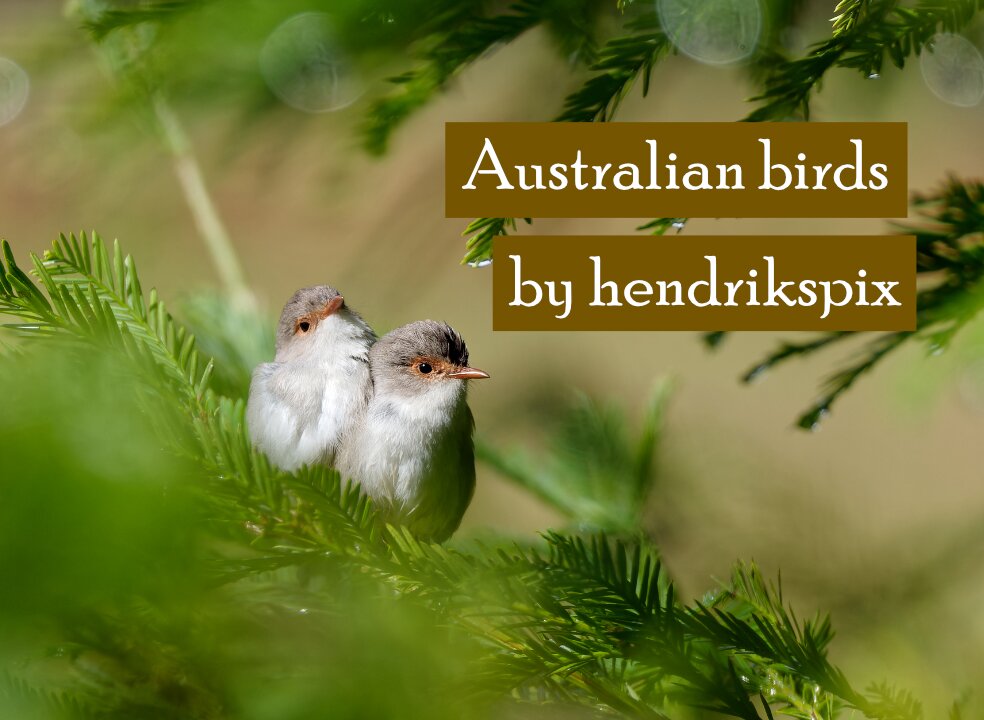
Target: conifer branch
[94,294]
[597,474]
[620,64]
[481,234]
[19,696]
[847,14]
[106,20]
[864,32]
[587,620]
[950,267]
[458,41]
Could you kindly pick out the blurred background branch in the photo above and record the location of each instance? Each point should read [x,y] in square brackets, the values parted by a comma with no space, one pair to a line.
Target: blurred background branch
[207,219]
[597,474]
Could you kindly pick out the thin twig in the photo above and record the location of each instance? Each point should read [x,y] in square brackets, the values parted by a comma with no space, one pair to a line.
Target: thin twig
[203,210]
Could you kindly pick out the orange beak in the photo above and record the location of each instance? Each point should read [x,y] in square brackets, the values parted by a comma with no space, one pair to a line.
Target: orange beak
[333,306]
[468,373]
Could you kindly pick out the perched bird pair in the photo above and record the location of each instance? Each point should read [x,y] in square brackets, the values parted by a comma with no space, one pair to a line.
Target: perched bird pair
[388,413]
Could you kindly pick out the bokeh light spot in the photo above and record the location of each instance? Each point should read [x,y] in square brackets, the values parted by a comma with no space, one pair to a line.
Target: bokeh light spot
[717,32]
[14,89]
[953,69]
[305,67]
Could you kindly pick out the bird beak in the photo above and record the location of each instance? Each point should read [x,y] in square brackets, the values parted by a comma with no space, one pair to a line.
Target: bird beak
[333,306]
[468,373]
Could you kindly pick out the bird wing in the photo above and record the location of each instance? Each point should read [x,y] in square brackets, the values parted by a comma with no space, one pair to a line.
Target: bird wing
[467,451]
[280,407]
[465,482]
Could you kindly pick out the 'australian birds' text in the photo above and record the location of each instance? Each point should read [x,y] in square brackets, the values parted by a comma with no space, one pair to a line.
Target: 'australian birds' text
[669,172]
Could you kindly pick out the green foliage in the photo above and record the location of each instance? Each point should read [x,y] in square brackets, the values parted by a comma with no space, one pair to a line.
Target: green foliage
[445,52]
[864,32]
[660,226]
[619,64]
[481,233]
[237,339]
[847,14]
[595,473]
[21,700]
[103,18]
[184,577]
[76,515]
[93,294]
[950,267]
[463,34]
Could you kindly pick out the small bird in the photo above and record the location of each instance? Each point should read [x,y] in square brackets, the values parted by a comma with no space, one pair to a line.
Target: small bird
[303,403]
[412,451]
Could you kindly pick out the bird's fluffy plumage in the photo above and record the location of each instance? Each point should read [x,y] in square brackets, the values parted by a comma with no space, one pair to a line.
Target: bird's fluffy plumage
[302,404]
[412,451]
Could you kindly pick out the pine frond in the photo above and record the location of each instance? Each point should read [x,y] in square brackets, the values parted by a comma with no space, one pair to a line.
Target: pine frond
[620,64]
[464,33]
[481,234]
[597,473]
[443,54]
[847,14]
[101,21]
[905,31]
[93,293]
[235,338]
[865,32]
[660,226]
[758,622]
[888,703]
[19,698]
[312,508]
[630,578]
[950,268]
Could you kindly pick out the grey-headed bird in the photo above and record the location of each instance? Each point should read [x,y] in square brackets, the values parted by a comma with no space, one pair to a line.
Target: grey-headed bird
[412,451]
[303,403]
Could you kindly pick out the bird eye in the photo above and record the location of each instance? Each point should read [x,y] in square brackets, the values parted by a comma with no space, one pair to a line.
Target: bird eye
[304,326]
[424,368]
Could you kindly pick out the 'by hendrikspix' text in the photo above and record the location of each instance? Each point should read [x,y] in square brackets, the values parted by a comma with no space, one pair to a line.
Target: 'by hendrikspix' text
[750,291]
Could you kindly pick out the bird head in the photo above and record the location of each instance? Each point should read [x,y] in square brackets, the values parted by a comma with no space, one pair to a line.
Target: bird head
[424,358]
[314,318]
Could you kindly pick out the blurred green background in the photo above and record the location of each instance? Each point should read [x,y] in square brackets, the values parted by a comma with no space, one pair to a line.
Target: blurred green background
[877,517]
